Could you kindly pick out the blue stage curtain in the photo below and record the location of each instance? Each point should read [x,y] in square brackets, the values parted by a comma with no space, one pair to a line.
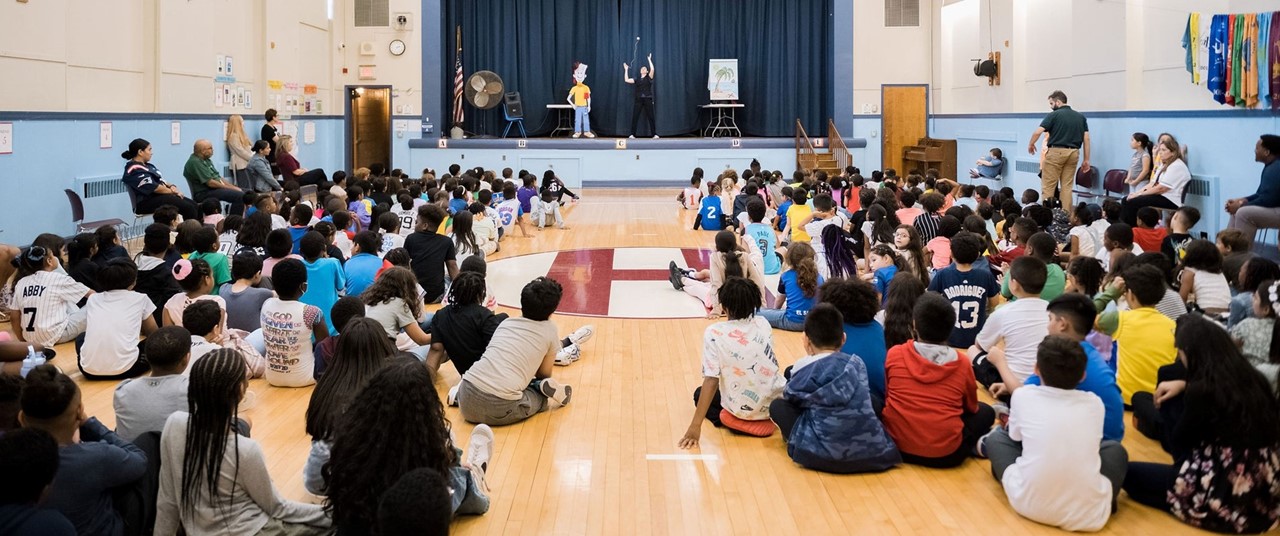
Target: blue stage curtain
[783,50]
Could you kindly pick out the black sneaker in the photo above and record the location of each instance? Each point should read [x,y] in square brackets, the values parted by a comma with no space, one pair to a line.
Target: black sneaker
[676,275]
[49,354]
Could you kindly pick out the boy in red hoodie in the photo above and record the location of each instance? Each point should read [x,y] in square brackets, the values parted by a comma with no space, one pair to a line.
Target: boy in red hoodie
[931,403]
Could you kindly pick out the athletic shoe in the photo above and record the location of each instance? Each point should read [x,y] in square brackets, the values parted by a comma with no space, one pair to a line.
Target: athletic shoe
[590,134]
[655,136]
[577,135]
[558,394]
[582,334]
[1002,414]
[676,276]
[568,355]
[980,448]
[480,449]
[49,354]
[631,137]
[452,399]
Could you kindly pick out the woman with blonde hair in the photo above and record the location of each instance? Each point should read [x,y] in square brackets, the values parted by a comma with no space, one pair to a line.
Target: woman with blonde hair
[290,169]
[241,149]
[1167,185]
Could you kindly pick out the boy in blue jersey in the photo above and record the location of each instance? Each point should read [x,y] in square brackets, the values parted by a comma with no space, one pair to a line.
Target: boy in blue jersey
[780,222]
[710,214]
[971,292]
[764,237]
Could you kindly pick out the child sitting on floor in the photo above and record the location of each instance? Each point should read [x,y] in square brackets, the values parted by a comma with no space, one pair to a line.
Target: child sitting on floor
[826,414]
[1019,324]
[114,320]
[1202,281]
[288,326]
[740,352]
[1147,235]
[142,404]
[1049,460]
[1180,233]
[1144,336]
[931,408]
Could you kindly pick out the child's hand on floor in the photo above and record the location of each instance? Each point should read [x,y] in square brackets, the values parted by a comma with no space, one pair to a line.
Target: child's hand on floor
[690,439]
[998,390]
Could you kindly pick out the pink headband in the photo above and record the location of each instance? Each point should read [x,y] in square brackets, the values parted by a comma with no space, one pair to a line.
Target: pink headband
[182,269]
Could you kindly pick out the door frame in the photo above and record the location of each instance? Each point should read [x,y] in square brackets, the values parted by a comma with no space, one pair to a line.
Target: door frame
[927,105]
[348,134]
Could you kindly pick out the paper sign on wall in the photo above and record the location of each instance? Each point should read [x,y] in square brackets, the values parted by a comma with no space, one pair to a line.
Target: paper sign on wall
[239,96]
[225,129]
[309,132]
[104,135]
[222,65]
[275,84]
[227,96]
[6,138]
[230,71]
[248,99]
[175,132]
[217,95]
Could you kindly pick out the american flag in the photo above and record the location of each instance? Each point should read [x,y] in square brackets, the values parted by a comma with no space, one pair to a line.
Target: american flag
[457,89]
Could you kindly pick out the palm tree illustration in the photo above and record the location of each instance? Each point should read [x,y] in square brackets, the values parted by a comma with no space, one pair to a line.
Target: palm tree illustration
[722,73]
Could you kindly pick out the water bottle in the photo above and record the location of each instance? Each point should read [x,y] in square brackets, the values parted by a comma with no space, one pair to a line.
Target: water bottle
[33,360]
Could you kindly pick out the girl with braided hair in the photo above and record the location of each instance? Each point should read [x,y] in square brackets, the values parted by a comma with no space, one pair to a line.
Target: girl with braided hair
[214,481]
[368,457]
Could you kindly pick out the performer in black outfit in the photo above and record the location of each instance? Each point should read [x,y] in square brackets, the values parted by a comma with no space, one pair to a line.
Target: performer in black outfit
[644,96]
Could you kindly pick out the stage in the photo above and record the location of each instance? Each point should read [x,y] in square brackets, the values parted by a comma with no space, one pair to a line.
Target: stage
[613,162]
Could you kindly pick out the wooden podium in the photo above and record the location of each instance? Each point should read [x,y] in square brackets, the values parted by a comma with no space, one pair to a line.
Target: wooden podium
[930,153]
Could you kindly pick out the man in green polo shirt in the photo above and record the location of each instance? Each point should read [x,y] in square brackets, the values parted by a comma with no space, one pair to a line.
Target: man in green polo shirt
[205,181]
[1068,133]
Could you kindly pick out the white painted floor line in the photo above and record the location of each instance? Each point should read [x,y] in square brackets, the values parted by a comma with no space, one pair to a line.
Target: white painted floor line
[682,457]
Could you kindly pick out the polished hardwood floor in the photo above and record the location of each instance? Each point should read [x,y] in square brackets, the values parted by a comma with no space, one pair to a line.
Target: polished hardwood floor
[604,464]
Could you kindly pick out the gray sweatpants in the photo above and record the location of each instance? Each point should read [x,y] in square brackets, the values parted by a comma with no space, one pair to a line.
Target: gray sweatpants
[479,407]
[1004,451]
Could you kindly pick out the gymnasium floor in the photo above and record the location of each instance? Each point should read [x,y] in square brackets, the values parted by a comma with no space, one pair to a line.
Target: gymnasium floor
[608,462]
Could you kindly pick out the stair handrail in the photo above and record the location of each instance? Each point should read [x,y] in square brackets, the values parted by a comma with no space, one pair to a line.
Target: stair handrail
[804,147]
[839,149]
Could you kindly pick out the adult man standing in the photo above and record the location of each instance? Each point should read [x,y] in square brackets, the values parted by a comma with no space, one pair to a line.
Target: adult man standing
[205,181]
[1262,209]
[1068,133]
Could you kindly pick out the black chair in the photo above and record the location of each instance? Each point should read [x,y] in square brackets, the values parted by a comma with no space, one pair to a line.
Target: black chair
[77,215]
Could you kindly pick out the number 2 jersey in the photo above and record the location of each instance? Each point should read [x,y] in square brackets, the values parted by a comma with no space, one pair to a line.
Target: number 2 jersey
[968,293]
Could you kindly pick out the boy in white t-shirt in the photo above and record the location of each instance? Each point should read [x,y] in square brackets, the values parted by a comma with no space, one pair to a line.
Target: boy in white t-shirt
[288,327]
[510,213]
[1021,324]
[737,353]
[1049,459]
[406,212]
[115,318]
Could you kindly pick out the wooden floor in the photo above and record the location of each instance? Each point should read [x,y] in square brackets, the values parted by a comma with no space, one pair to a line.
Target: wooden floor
[584,469]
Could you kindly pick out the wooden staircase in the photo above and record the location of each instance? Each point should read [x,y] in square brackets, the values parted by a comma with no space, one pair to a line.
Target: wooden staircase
[832,159]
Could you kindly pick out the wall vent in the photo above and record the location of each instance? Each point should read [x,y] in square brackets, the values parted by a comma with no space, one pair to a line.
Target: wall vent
[901,13]
[373,13]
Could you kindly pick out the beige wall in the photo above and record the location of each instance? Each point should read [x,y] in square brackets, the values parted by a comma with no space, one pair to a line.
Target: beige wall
[403,73]
[1104,55]
[157,55]
[884,55]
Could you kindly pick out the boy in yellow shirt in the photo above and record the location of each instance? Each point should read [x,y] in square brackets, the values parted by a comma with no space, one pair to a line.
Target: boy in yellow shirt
[1143,335]
[799,212]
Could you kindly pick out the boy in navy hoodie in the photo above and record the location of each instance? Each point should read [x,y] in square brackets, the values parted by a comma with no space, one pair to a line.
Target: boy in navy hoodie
[825,413]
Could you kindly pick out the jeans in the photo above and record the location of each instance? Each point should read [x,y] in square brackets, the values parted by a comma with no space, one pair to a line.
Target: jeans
[581,120]
[778,319]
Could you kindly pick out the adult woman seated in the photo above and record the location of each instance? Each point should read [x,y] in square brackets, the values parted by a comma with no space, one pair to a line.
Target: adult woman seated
[1166,186]
[151,190]
[260,177]
[290,169]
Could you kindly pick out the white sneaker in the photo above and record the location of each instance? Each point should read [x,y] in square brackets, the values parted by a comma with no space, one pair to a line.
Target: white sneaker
[480,449]
[568,355]
[655,136]
[577,135]
[556,393]
[582,334]
[590,134]
[631,137]
[452,398]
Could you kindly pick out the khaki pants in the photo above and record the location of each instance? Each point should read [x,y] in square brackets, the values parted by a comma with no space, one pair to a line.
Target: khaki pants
[1059,172]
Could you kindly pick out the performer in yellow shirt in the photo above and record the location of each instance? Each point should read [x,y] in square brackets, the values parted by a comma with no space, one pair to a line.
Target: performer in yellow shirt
[580,99]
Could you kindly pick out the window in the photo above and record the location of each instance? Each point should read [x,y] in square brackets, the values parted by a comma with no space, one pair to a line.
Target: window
[901,13]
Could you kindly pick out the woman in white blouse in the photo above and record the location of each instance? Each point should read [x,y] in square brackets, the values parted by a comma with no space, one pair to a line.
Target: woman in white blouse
[1167,184]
